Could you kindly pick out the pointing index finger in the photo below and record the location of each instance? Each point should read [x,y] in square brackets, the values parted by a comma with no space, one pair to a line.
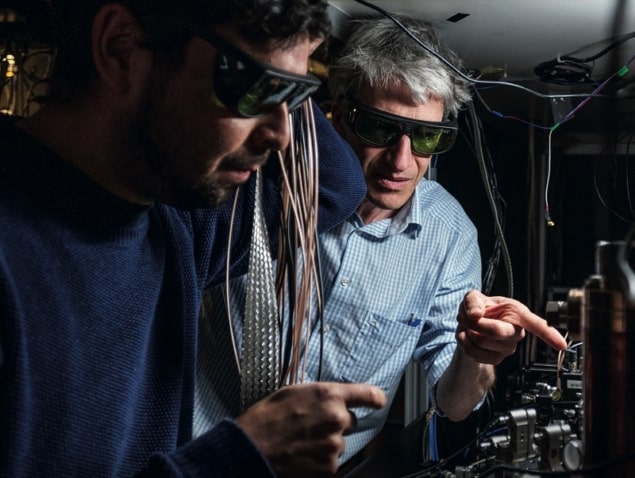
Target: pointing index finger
[529,321]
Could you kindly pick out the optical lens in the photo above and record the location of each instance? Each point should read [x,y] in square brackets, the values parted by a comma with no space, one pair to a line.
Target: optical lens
[376,130]
[270,91]
[426,140]
[252,91]
[264,95]
[232,79]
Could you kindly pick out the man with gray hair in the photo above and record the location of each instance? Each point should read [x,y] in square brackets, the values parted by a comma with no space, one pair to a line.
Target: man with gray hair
[403,273]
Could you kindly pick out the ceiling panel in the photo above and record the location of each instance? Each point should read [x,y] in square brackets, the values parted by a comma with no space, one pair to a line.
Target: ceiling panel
[514,36]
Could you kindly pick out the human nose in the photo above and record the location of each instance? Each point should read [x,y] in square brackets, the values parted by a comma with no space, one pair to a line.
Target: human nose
[400,153]
[273,130]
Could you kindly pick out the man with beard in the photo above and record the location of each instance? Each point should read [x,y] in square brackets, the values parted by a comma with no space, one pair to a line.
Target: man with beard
[158,109]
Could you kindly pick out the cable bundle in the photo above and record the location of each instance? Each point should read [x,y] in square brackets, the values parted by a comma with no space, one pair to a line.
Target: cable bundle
[298,265]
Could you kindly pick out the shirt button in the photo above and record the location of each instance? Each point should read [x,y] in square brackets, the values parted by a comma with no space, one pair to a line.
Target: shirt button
[345,281]
[325,329]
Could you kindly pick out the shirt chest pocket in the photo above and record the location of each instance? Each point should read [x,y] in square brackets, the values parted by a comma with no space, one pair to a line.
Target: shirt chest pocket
[378,341]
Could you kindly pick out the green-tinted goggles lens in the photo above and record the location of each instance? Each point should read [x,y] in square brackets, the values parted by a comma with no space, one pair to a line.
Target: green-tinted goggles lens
[251,87]
[246,85]
[379,128]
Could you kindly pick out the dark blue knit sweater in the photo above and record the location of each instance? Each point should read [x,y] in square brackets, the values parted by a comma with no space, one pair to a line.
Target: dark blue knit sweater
[98,308]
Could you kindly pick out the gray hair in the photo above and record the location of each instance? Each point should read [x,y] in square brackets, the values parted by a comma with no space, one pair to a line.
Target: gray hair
[378,53]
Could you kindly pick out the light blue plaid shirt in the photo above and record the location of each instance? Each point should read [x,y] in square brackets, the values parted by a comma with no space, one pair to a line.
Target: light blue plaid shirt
[392,290]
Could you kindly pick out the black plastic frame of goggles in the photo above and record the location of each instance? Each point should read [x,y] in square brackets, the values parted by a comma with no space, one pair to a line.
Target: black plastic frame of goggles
[406,125]
[309,83]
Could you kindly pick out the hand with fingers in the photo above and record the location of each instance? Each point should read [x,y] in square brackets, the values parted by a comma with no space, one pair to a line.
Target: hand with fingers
[490,327]
[301,428]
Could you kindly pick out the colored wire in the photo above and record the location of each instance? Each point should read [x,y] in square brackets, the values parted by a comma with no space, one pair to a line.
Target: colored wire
[470,79]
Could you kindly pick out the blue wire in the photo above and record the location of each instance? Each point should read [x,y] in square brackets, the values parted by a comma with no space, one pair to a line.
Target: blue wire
[434,452]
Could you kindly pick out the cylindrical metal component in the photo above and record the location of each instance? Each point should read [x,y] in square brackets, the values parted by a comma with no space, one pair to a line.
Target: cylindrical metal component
[608,322]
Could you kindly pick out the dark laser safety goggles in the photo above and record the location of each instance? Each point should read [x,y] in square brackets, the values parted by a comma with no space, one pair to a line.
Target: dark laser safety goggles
[379,128]
[251,87]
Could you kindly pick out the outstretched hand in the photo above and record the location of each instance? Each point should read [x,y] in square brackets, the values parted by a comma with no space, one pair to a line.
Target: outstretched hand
[301,428]
[490,327]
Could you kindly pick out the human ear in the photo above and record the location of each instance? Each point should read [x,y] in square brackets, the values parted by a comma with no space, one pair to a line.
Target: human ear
[116,39]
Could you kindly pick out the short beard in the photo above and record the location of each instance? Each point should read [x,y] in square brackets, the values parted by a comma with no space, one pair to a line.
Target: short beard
[157,178]
[203,196]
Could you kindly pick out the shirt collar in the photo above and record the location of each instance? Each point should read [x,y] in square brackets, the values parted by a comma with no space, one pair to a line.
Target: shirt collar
[408,220]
